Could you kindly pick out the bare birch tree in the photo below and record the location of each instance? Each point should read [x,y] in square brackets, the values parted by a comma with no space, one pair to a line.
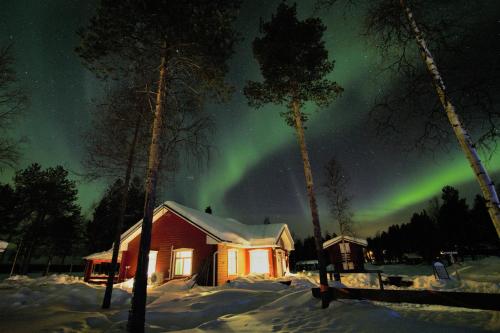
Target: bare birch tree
[13,100]
[393,24]
[336,186]
[118,139]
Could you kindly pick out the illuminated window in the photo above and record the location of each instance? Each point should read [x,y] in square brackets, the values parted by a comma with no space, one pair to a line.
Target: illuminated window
[183,262]
[259,261]
[232,256]
[152,262]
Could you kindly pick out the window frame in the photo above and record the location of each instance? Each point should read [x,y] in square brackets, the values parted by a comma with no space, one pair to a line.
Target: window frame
[182,260]
[230,273]
[252,258]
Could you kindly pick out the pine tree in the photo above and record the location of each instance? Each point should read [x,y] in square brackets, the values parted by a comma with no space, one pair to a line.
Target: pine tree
[294,62]
[101,228]
[191,42]
[9,216]
[44,196]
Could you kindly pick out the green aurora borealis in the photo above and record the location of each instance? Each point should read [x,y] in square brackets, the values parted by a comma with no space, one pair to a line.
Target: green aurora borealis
[254,170]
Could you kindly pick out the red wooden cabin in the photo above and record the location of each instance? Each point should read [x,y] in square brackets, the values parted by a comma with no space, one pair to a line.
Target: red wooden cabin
[186,241]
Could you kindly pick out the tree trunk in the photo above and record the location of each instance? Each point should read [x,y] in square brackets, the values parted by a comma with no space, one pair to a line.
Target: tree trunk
[138,309]
[26,259]
[48,266]
[463,137]
[106,303]
[31,239]
[15,257]
[323,279]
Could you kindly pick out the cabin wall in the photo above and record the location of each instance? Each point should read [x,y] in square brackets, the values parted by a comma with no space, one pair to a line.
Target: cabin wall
[357,256]
[243,263]
[222,264]
[171,231]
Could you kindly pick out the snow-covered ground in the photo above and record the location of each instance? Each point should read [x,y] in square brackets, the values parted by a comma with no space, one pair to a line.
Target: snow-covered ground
[470,276]
[61,303]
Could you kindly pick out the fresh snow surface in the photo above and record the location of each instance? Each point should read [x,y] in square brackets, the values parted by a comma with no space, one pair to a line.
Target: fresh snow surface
[62,303]
[229,229]
[471,276]
[226,229]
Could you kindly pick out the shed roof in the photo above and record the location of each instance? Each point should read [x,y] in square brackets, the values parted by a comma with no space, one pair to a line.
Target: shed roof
[348,239]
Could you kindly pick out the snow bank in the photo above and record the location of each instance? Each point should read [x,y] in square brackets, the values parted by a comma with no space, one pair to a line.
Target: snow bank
[299,312]
[62,303]
[471,276]
[53,303]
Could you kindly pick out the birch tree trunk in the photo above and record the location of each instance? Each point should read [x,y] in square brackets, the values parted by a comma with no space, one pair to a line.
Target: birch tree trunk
[19,246]
[137,312]
[463,137]
[106,303]
[323,279]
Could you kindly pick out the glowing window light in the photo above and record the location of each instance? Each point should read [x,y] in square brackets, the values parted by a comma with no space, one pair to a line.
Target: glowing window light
[259,261]
[183,262]
[232,258]
[152,262]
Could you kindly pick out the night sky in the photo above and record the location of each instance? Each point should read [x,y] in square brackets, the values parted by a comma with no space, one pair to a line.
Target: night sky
[255,169]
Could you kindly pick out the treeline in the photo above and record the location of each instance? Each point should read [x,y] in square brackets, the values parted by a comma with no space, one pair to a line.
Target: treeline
[40,217]
[305,249]
[447,225]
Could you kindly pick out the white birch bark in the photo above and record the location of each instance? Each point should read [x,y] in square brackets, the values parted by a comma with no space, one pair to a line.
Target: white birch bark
[463,137]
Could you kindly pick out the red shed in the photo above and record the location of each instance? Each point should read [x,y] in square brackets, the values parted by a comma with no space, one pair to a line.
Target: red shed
[346,253]
[185,241]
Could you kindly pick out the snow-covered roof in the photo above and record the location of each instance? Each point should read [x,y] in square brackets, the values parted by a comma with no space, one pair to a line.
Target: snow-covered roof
[3,245]
[104,255]
[412,255]
[307,262]
[349,239]
[220,229]
[231,230]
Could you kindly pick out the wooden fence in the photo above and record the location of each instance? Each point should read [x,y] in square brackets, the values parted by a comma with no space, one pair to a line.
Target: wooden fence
[481,301]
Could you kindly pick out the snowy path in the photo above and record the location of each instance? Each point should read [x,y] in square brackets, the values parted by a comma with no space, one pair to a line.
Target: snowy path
[65,304]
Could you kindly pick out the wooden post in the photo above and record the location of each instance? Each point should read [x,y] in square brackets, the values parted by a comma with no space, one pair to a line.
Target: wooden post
[380,281]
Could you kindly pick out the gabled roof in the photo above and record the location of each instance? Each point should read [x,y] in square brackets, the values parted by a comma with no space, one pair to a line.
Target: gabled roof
[104,255]
[221,230]
[349,239]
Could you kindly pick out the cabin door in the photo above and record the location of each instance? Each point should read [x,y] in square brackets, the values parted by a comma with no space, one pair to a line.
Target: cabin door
[280,263]
[345,252]
[152,262]
[259,261]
